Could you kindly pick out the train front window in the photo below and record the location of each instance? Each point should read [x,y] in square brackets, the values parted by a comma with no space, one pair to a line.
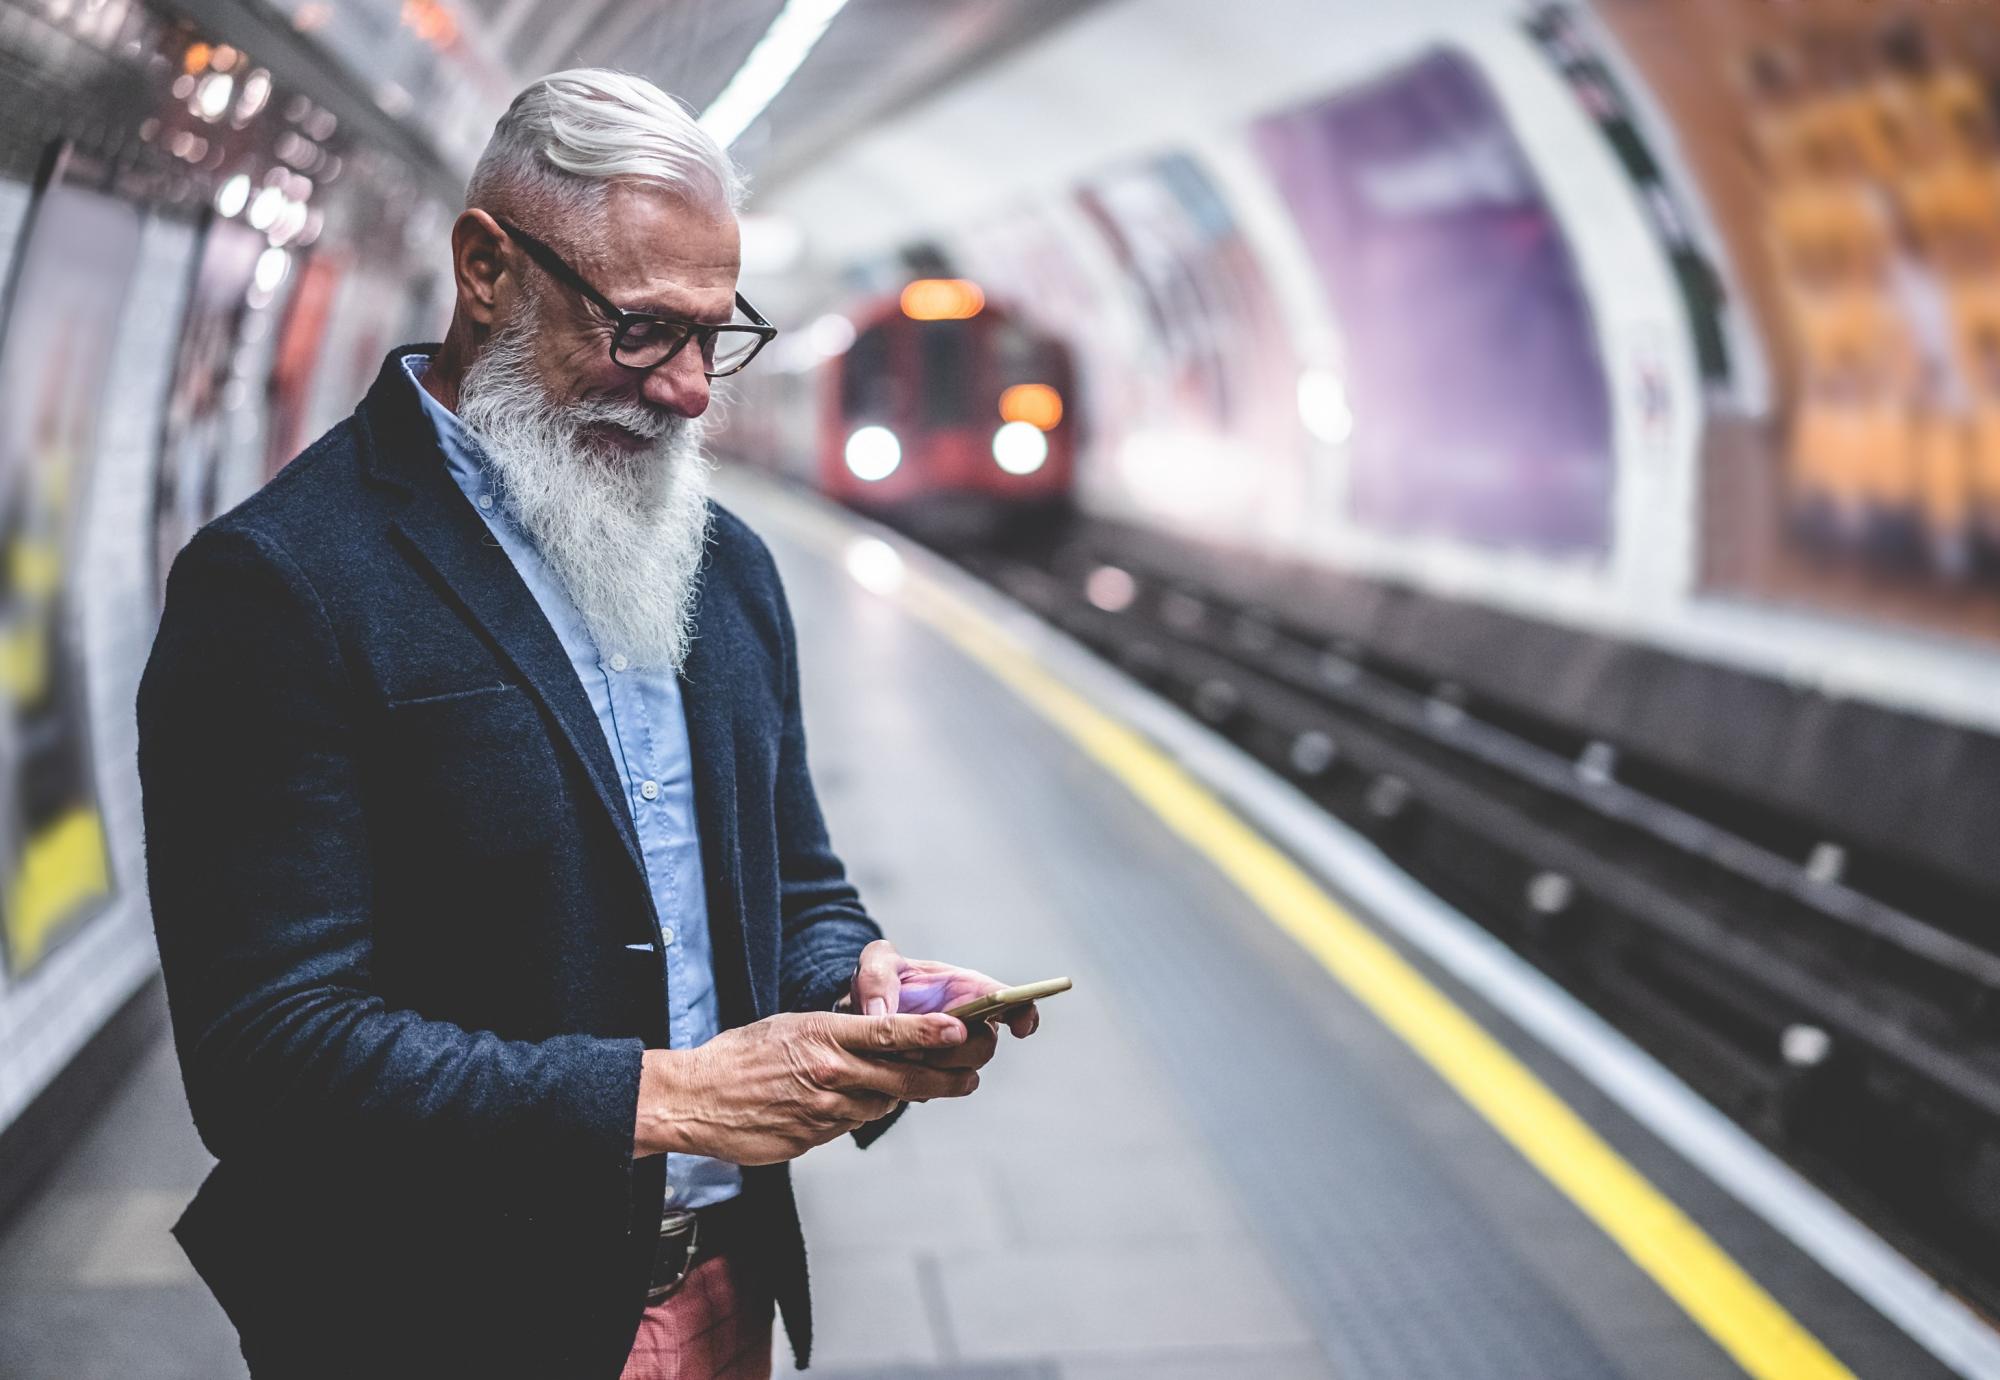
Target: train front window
[1018,356]
[944,354]
[867,391]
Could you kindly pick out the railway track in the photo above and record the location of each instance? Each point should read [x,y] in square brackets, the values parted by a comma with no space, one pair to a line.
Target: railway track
[1858,1038]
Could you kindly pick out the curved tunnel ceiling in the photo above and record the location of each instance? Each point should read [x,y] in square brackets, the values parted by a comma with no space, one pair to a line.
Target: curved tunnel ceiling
[877,57]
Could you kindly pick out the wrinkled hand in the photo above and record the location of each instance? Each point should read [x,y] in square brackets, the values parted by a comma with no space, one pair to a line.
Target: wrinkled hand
[774,1089]
[888,984]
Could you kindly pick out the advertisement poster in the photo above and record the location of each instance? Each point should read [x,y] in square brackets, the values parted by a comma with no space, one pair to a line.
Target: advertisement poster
[370,307]
[1215,335]
[1480,405]
[74,268]
[297,358]
[1021,259]
[1849,157]
[210,454]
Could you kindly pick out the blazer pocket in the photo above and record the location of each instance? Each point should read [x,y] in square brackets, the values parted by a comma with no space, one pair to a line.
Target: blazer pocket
[474,771]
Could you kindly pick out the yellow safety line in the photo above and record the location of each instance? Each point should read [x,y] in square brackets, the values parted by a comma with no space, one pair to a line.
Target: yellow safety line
[1721,1298]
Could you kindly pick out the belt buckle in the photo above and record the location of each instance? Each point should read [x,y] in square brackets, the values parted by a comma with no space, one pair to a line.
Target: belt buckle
[674,1225]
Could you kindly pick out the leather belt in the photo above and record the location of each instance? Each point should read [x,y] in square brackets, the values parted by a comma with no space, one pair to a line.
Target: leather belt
[688,1238]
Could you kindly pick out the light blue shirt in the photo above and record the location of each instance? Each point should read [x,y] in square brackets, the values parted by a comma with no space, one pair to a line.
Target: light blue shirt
[646,727]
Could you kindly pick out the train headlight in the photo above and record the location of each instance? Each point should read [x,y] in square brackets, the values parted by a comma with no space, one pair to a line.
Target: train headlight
[1020,448]
[873,452]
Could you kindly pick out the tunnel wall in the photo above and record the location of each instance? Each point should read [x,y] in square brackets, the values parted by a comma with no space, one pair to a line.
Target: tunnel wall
[167,341]
[1007,174]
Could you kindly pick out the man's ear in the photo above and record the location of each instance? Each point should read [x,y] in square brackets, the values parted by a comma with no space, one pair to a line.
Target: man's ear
[479,268]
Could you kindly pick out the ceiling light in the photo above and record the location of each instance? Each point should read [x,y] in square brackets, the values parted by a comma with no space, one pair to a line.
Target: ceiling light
[233,195]
[264,208]
[272,266]
[768,68]
[1323,406]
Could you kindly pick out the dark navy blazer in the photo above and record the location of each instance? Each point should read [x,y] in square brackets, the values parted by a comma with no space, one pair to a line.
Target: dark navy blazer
[410,952]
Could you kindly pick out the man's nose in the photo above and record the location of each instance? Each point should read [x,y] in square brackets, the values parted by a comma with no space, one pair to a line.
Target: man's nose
[680,385]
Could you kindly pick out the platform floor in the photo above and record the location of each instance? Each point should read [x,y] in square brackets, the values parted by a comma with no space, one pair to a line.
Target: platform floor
[1212,1161]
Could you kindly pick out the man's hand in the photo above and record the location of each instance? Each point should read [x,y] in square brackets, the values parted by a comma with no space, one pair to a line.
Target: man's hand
[774,1089]
[888,983]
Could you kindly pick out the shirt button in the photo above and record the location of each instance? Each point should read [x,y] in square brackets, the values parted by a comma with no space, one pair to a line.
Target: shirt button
[649,789]
[486,501]
[667,933]
[670,1193]
[618,661]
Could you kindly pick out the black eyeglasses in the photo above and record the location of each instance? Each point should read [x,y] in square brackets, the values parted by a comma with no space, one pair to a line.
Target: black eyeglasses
[642,340]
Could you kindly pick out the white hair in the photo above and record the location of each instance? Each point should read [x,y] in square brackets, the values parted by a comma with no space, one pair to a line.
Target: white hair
[569,134]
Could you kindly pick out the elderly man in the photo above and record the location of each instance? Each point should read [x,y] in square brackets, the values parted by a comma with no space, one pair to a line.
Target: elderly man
[507,955]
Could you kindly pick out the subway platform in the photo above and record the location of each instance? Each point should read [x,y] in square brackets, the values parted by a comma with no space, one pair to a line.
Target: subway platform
[1265,1135]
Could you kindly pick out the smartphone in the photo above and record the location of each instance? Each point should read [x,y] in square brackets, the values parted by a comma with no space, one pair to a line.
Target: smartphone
[994,1004]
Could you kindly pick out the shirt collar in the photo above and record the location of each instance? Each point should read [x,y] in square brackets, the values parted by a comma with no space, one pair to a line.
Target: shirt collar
[460,446]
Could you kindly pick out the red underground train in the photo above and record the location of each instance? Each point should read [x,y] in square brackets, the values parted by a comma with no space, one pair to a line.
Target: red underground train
[949,414]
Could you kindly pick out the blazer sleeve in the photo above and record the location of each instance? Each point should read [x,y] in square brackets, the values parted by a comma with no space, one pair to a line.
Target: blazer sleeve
[824,925]
[257,858]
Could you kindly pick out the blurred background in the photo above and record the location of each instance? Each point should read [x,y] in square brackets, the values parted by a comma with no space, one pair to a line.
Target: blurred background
[1560,439]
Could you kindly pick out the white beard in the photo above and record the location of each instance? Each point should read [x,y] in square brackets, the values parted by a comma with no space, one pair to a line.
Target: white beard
[623,531]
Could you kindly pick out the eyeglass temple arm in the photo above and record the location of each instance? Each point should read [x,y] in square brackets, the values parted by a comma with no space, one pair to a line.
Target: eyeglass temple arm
[556,264]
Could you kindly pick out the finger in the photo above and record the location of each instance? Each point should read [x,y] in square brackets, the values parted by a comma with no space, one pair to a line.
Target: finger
[879,981]
[929,985]
[907,1080]
[860,1105]
[1025,1022]
[892,1034]
[978,1048]
[921,1083]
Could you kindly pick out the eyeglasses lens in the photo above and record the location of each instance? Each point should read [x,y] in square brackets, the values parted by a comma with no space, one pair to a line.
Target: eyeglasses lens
[731,350]
[644,344]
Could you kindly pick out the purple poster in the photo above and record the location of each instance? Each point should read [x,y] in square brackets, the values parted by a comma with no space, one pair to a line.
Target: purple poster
[1479,400]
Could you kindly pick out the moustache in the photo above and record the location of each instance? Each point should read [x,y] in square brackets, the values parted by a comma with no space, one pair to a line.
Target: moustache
[635,418]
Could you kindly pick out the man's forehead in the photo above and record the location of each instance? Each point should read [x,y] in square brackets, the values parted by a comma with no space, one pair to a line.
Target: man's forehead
[667,256]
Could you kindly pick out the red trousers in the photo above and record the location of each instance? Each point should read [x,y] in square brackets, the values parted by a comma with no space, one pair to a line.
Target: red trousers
[716,1326]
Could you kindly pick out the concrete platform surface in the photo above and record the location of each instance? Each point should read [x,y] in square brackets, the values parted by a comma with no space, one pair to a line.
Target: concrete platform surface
[1212,1162]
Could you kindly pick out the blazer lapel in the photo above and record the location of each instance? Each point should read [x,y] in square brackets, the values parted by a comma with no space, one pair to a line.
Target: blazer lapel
[484,583]
[705,695]
[442,531]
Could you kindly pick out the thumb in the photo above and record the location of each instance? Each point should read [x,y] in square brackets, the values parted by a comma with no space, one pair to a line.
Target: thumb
[878,983]
[891,1034]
